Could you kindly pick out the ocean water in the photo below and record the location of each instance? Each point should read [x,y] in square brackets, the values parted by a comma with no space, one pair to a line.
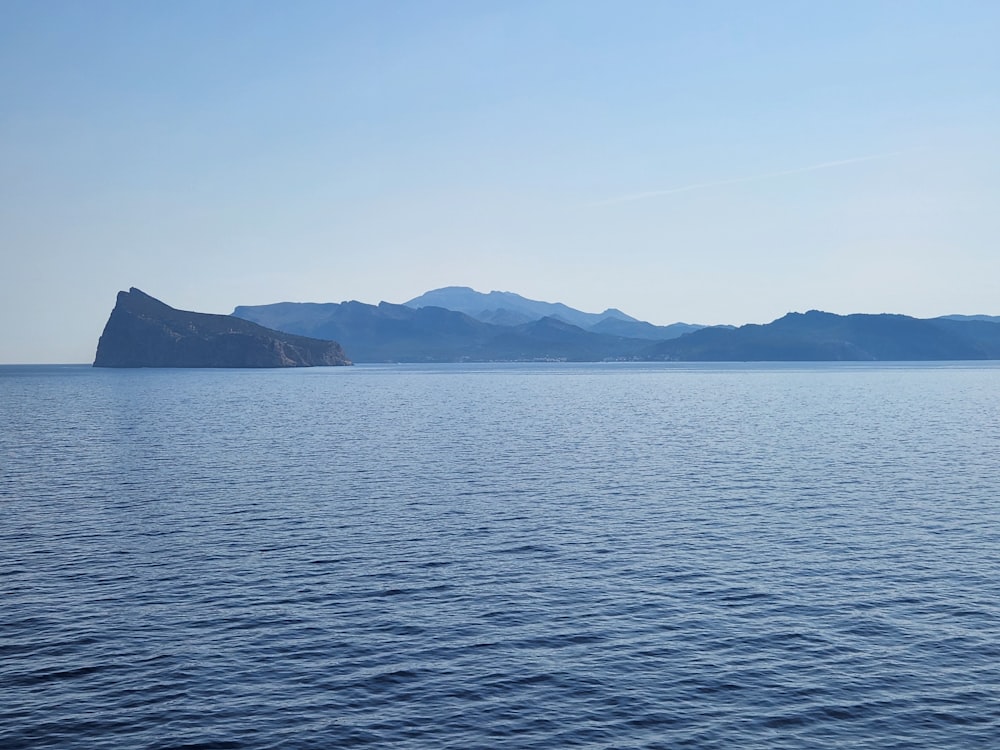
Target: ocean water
[501,556]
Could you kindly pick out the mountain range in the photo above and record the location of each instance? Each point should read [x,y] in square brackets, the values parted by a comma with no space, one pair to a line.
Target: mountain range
[458,324]
[507,308]
[822,336]
[397,333]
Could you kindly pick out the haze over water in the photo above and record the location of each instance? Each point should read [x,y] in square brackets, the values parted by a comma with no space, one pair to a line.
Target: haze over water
[501,556]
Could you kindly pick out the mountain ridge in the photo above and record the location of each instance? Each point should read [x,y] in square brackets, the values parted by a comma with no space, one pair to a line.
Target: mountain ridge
[399,333]
[823,336]
[509,308]
[467,300]
[389,332]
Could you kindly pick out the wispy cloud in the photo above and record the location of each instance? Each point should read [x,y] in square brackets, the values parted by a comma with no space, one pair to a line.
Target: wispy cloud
[737,180]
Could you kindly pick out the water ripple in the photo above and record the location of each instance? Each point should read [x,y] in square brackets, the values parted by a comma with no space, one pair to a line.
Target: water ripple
[487,557]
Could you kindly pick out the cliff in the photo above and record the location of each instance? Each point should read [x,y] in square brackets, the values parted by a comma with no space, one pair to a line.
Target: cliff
[144,332]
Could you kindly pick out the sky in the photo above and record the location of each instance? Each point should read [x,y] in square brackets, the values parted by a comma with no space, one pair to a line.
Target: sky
[710,162]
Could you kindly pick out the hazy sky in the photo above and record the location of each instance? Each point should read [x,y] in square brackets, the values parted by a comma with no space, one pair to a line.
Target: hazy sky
[709,162]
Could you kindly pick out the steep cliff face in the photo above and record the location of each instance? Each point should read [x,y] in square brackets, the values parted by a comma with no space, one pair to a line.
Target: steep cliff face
[144,332]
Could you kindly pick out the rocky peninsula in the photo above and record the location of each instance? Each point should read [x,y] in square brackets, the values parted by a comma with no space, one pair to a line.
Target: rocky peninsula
[144,332]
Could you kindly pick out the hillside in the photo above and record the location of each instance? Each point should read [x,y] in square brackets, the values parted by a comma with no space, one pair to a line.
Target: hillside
[398,333]
[426,333]
[821,336]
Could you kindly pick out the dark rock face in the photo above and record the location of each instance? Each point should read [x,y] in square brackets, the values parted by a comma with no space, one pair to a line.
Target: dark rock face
[144,332]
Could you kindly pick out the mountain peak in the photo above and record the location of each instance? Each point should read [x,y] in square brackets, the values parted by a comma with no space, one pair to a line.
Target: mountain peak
[497,305]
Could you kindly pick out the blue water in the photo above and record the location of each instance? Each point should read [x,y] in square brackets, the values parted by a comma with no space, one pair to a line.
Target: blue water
[508,556]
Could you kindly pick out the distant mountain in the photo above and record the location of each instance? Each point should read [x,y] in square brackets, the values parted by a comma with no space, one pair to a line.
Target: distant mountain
[477,305]
[507,308]
[980,318]
[379,333]
[144,332]
[638,329]
[821,336]
[425,333]
[977,330]
[399,333]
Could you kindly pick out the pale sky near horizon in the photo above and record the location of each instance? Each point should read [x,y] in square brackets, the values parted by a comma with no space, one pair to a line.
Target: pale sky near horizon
[710,162]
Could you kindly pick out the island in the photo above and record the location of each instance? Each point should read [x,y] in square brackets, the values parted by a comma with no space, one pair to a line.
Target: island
[144,332]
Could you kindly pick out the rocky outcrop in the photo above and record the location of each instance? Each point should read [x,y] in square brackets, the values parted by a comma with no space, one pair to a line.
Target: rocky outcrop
[144,332]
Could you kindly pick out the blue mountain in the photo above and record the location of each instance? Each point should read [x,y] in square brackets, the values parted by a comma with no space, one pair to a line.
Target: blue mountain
[512,331]
[508,308]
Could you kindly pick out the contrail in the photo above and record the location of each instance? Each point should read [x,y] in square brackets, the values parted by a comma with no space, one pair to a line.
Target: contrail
[737,180]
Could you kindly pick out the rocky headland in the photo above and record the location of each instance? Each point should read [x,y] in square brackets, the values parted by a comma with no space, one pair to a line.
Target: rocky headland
[144,332]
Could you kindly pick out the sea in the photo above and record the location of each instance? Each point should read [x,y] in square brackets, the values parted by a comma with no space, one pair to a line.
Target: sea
[542,555]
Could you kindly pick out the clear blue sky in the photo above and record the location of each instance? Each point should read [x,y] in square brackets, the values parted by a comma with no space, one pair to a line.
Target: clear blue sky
[710,162]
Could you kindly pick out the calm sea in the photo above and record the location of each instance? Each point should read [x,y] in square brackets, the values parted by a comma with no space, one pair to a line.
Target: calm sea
[501,556]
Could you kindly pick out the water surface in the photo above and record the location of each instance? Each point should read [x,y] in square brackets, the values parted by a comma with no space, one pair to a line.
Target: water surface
[501,556]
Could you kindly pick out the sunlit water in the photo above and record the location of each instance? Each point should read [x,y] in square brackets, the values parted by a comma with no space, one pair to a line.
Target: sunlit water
[543,556]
